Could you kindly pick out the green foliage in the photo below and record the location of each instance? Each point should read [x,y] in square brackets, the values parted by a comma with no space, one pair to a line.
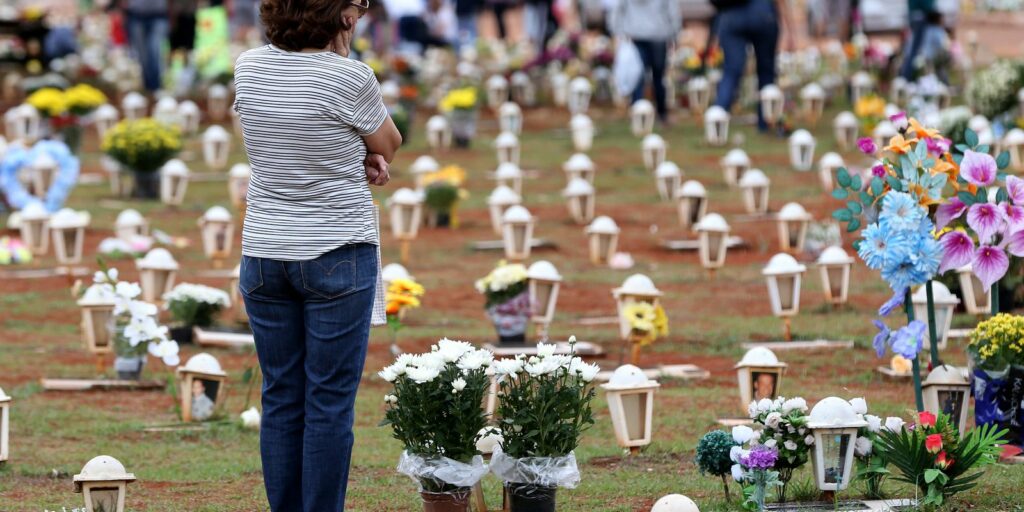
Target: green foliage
[713,453]
[193,312]
[857,201]
[441,196]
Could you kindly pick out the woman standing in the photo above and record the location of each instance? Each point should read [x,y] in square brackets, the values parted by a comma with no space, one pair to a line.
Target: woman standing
[653,26]
[317,135]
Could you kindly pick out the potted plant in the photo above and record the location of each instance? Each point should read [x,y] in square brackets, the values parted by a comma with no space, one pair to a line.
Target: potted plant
[402,295]
[460,105]
[506,290]
[754,465]
[65,109]
[714,452]
[143,146]
[783,427]
[442,193]
[436,411]
[544,407]
[193,305]
[996,349]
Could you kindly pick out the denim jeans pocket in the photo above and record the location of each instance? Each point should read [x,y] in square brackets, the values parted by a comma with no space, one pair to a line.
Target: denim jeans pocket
[331,275]
[250,275]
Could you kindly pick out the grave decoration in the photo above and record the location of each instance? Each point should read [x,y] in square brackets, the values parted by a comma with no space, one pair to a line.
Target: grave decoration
[501,199]
[996,353]
[201,384]
[18,159]
[603,238]
[835,264]
[647,322]
[630,397]
[406,209]
[173,182]
[759,376]
[582,132]
[834,424]
[403,293]
[713,458]
[103,483]
[517,233]
[713,240]
[674,503]
[67,228]
[781,426]
[460,106]
[947,391]
[193,305]
[442,192]
[783,275]
[544,284]
[142,147]
[216,147]
[5,426]
[507,300]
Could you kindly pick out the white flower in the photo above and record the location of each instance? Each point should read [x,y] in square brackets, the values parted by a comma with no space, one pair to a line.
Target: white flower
[422,374]
[458,385]
[586,371]
[859,406]
[894,424]
[742,433]
[790,445]
[862,447]
[388,374]
[251,418]
[735,453]
[165,350]
[185,292]
[794,404]
[127,290]
[752,410]
[543,367]
[772,420]
[390,399]
[764,405]
[432,360]
[737,472]
[475,359]
[508,366]
[451,350]
[809,440]
[874,423]
[545,350]
[99,277]
[771,443]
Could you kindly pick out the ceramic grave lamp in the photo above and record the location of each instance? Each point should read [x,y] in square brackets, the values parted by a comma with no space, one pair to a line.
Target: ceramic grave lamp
[42,172]
[217,102]
[812,98]
[218,232]
[668,178]
[630,396]
[846,130]
[835,265]
[773,103]
[104,483]
[582,132]
[104,118]
[675,503]
[501,199]
[861,85]
[977,297]
[130,224]
[238,184]
[945,303]
[713,236]
[522,89]
[559,83]
[1013,143]
[497,91]
[883,132]
[189,117]
[216,147]
[580,198]
[947,390]
[201,383]
[97,309]
[406,208]
[157,271]
[134,106]
[544,283]
[68,230]
[783,274]
[792,224]
[654,149]
[507,147]
[834,425]
[759,375]
[173,182]
[692,203]
[899,91]
[641,115]
[23,124]
[828,165]
[5,425]
[636,288]
[510,118]
[801,150]
[603,237]
[579,166]
[510,175]
[698,92]
[716,126]
[392,272]
[735,163]
[579,95]
[979,124]
[35,228]
[754,184]
[439,133]
[421,167]
[121,182]
[517,233]
[166,111]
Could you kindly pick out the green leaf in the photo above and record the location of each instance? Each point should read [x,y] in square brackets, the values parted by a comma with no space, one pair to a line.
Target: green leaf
[866,198]
[1003,160]
[962,147]
[982,148]
[958,158]
[856,243]
[970,138]
[843,215]
[854,207]
[877,186]
[931,474]
[1002,196]
[967,198]
[854,225]
[843,177]
[981,196]
[247,375]
[855,182]
[840,194]
[894,183]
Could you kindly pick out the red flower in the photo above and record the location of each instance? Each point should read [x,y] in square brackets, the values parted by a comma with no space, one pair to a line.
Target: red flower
[933,443]
[926,419]
[943,462]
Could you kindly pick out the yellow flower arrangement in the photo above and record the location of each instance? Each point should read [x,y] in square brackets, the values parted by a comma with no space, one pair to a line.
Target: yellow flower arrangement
[402,295]
[463,98]
[143,145]
[869,106]
[998,342]
[449,174]
[648,322]
[84,98]
[49,101]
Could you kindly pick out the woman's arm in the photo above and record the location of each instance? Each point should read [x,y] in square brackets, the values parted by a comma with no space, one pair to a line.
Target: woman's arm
[385,141]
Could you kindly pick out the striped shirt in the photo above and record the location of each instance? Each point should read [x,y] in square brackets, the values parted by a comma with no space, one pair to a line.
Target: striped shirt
[303,116]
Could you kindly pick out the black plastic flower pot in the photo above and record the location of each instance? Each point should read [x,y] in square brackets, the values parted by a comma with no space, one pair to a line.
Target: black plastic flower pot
[530,497]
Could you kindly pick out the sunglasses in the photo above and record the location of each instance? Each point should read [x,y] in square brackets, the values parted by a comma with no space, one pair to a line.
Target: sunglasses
[362,6]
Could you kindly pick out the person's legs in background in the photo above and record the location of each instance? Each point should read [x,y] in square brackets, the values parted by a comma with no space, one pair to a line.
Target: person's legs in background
[499,8]
[148,34]
[918,24]
[535,17]
[467,30]
[659,56]
[734,47]
[646,51]
[765,39]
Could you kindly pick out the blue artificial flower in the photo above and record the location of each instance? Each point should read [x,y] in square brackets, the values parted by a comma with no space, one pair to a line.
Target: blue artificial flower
[907,341]
[927,257]
[900,212]
[882,338]
[879,245]
[900,274]
[894,302]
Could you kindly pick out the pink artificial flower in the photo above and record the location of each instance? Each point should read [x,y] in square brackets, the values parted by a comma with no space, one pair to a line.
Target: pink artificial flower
[933,443]
[867,146]
[878,171]
[978,168]
[899,121]
[949,211]
[957,250]
[1015,189]
[926,419]
[938,147]
[1014,216]
[1015,244]
[986,220]
[990,264]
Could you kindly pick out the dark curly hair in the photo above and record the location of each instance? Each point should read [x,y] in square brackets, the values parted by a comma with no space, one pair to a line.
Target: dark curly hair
[295,25]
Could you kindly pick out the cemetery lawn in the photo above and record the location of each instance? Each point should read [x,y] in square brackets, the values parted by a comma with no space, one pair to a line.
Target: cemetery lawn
[218,469]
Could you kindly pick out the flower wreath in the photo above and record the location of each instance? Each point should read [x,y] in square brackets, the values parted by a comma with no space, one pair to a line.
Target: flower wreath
[18,157]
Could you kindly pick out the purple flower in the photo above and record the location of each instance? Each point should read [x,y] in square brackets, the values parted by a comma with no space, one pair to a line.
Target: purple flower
[1015,189]
[899,121]
[878,171]
[760,457]
[949,211]
[894,302]
[958,250]
[882,338]
[938,147]
[986,220]
[867,146]
[1015,244]
[990,264]
[1014,217]
[907,341]
[978,168]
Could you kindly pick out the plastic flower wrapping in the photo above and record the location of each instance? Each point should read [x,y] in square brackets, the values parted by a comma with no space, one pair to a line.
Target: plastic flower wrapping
[136,319]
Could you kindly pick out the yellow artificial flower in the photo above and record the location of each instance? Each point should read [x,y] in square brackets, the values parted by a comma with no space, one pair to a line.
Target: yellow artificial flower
[84,98]
[463,98]
[451,174]
[921,132]
[900,364]
[899,145]
[49,101]
[869,106]
[660,321]
[406,287]
[641,317]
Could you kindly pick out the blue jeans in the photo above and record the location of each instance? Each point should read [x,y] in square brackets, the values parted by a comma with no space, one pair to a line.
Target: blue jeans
[467,30]
[653,54]
[918,21]
[311,321]
[755,23]
[147,35]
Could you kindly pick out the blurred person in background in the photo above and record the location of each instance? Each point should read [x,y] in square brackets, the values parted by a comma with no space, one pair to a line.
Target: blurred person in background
[442,25]
[917,24]
[467,12]
[377,29]
[148,26]
[653,26]
[535,18]
[499,8]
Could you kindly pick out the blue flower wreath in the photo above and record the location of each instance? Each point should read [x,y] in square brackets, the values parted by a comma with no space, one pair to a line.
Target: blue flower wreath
[18,156]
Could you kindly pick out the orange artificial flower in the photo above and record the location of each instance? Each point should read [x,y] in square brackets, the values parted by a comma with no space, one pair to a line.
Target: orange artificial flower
[899,145]
[922,132]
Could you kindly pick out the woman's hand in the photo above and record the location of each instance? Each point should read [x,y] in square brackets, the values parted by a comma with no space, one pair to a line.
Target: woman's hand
[377,170]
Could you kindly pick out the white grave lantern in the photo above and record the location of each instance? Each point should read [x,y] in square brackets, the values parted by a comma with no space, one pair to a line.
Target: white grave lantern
[238,183]
[510,175]
[713,237]
[201,383]
[510,118]
[35,228]
[948,391]
[579,95]
[654,149]
[1013,143]
[97,308]
[130,224]
[497,91]
[393,272]
[641,116]
[42,172]
[68,229]
[636,288]
[104,484]
[801,150]
[945,303]
[834,424]
[754,184]
[579,166]
[166,111]
[883,132]
[501,199]
[544,283]
[783,274]
[828,165]
[698,93]
[23,123]
[861,85]
[846,130]
[773,102]
[406,206]
[522,90]
[759,375]
[899,91]
[173,182]
[669,178]
[216,147]
[812,98]
[421,167]
[579,196]
[630,396]
[835,265]
[582,132]
[157,271]
[792,227]
[217,102]
[559,89]
[439,133]
[977,298]
[188,117]
[692,203]
[507,146]
[134,106]
[104,118]
[517,233]
[5,425]
[603,237]
[735,163]
[674,503]
[218,232]
[716,126]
